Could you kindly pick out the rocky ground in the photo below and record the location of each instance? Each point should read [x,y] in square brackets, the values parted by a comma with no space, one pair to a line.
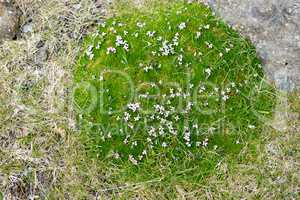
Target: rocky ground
[39,44]
[274,27]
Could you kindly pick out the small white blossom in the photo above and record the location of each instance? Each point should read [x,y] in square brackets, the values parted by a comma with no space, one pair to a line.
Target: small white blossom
[206,26]
[182,26]
[111,50]
[141,24]
[89,52]
[126,116]
[251,127]
[116,155]
[134,106]
[208,72]
[205,143]
[209,45]
[150,33]
[132,159]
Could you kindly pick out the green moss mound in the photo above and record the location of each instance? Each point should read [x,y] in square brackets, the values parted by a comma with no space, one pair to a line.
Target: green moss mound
[169,93]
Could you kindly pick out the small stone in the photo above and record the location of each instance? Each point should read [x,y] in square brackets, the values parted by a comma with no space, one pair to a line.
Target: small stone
[9,21]
[42,53]
[27,28]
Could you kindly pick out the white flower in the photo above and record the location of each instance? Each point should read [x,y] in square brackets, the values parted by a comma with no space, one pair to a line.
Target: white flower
[187,135]
[182,26]
[167,48]
[137,118]
[198,35]
[206,26]
[134,106]
[116,155]
[126,116]
[180,59]
[111,50]
[195,126]
[150,33]
[202,89]
[205,142]
[101,78]
[209,45]
[89,52]
[140,24]
[131,159]
[251,127]
[208,72]
[144,152]
[119,41]
[126,46]
[225,97]
[164,145]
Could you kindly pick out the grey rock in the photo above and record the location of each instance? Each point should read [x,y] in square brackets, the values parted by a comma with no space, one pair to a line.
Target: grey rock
[274,28]
[9,21]
[42,53]
[27,28]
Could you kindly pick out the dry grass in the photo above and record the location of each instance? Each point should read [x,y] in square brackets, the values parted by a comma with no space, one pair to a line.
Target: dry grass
[34,112]
[39,156]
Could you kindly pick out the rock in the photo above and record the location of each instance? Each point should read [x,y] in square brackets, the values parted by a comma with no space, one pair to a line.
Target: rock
[42,53]
[9,21]
[274,28]
[27,28]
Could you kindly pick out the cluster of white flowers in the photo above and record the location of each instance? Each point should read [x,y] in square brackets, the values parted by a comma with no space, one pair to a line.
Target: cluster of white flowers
[146,68]
[167,48]
[134,107]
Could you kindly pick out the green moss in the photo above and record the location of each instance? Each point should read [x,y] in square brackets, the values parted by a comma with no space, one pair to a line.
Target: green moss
[192,127]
